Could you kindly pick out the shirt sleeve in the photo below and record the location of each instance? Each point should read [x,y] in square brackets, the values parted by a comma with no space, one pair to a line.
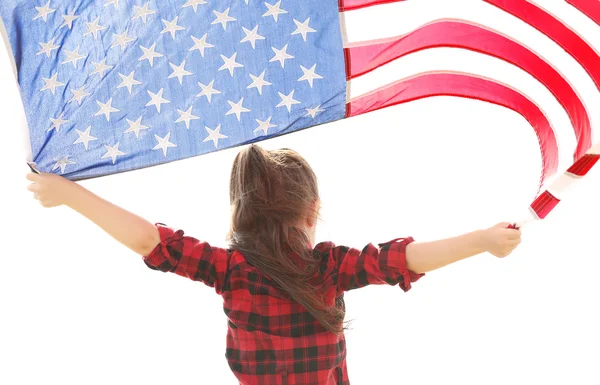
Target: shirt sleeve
[373,265]
[188,257]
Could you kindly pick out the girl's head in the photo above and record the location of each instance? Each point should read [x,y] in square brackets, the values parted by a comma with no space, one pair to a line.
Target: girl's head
[273,187]
[274,205]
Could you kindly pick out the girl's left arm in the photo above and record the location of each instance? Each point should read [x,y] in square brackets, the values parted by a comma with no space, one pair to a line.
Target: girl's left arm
[135,232]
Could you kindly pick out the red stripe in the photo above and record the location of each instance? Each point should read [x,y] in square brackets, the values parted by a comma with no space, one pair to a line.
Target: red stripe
[546,202]
[543,204]
[589,8]
[467,86]
[348,62]
[555,30]
[584,164]
[350,5]
[368,56]
[561,35]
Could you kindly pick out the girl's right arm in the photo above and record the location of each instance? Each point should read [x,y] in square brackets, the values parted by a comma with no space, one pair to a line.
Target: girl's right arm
[162,247]
[135,232]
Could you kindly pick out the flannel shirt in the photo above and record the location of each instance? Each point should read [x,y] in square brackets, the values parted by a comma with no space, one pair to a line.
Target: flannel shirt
[272,339]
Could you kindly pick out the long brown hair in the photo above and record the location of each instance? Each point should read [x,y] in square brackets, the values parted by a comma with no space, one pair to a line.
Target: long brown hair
[272,193]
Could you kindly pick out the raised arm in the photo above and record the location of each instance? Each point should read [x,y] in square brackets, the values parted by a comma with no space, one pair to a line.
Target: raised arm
[403,261]
[162,247]
[498,240]
[135,232]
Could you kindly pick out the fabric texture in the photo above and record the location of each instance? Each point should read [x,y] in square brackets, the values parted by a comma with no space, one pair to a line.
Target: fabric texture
[110,86]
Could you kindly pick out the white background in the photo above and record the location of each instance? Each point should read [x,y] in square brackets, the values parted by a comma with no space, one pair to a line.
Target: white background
[79,308]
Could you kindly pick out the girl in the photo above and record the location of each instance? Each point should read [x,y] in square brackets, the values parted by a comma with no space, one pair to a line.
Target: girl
[283,295]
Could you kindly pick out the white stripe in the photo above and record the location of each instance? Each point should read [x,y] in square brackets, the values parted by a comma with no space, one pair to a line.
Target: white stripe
[590,32]
[533,215]
[344,28]
[400,18]
[529,218]
[562,185]
[11,57]
[348,91]
[23,127]
[454,59]
[576,20]
[573,176]
[595,149]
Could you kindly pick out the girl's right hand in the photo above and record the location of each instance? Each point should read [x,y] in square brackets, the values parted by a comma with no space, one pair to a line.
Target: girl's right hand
[500,240]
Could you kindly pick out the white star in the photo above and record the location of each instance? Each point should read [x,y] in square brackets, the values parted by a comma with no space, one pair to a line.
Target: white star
[310,75]
[157,99]
[150,54]
[171,27]
[122,40]
[179,72]
[135,127]
[303,28]
[68,20]
[78,95]
[128,81]
[113,2]
[281,55]
[112,152]
[105,109]
[214,135]
[44,11]
[85,137]
[94,28]
[48,47]
[73,57]
[208,90]
[142,12]
[230,63]
[52,83]
[62,163]
[287,101]
[100,68]
[194,4]
[252,36]
[186,116]
[57,123]
[264,125]
[314,111]
[223,18]
[274,10]
[236,108]
[200,44]
[259,82]
[163,143]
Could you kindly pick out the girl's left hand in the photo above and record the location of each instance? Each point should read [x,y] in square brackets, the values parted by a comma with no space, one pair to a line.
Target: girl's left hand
[50,189]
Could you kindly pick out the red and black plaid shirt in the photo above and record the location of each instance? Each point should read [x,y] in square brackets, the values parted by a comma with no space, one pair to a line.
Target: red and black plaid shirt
[271,339]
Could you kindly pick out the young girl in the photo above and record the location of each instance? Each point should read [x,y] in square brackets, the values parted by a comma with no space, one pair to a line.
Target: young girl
[283,295]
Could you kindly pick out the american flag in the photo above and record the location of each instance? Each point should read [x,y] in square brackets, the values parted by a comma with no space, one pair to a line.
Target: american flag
[116,85]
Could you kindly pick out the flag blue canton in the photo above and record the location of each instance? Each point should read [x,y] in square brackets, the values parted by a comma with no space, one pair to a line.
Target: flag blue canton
[116,85]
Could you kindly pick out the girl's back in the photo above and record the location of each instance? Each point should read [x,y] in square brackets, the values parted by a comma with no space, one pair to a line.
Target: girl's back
[271,338]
